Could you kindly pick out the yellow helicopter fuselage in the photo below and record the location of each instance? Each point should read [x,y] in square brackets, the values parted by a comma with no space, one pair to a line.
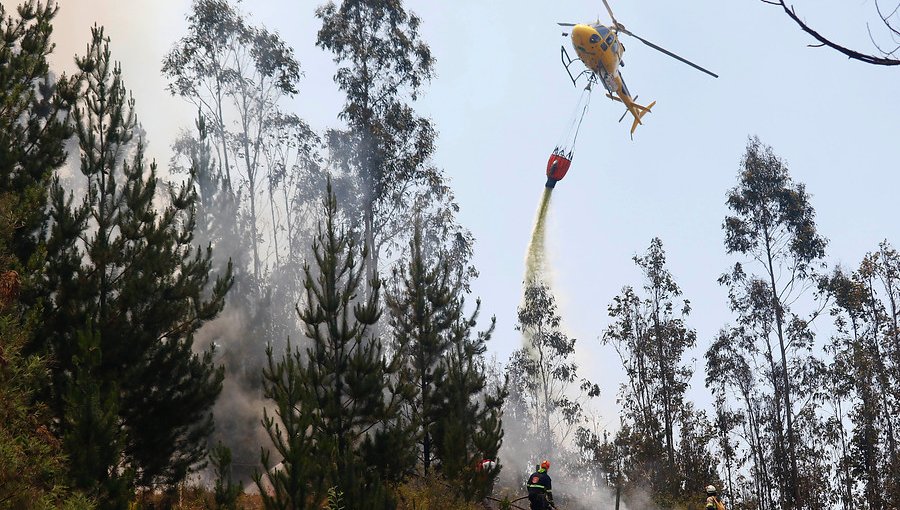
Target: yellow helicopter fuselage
[599,49]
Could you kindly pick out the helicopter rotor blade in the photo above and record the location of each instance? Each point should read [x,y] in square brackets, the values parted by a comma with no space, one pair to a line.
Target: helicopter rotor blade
[611,16]
[667,52]
[566,24]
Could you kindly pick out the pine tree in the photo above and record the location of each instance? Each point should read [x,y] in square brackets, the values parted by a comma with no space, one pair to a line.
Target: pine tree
[423,308]
[33,130]
[470,428]
[455,414]
[33,468]
[127,275]
[341,383]
[91,431]
[225,491]
[295,480]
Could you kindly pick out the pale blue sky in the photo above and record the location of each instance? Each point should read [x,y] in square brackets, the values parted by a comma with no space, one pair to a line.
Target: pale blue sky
[501,100]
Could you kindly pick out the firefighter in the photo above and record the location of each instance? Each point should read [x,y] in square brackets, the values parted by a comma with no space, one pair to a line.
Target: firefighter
[712,499]
[540,489]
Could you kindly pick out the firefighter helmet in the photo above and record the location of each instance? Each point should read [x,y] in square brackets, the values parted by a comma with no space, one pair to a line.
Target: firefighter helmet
[711,489]
[545,464]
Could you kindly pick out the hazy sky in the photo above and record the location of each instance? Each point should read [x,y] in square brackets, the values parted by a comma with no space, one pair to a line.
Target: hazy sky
[501,100]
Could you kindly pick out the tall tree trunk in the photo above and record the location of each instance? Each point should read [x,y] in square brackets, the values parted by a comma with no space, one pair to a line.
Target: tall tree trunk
[665,383]
[426,436]
[274,222]
[220,124]
[847,497]
[794,489]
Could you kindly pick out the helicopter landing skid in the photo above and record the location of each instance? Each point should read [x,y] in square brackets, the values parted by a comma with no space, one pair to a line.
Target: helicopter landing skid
[568,61]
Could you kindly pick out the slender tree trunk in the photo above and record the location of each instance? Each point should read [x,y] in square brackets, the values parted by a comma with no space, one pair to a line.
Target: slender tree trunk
[426,425]
[274,222]
[794,489]
[618,483]
[779,450]
[847,497]
[251,183]
[220,124]
[664,382]
[288,214]
[729,457]
[761,480]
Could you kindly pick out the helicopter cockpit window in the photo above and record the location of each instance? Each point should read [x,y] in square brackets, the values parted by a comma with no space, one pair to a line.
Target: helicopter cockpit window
[601,30]
[595,38]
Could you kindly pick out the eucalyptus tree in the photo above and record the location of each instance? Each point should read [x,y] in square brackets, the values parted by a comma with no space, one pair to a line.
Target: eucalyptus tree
[235,73]
[543,375]
[650,336]
[383,65]
[864,374]
[772,226]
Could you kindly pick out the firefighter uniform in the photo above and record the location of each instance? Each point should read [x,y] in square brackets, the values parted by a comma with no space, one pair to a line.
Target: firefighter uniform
[540,490]
[713,503]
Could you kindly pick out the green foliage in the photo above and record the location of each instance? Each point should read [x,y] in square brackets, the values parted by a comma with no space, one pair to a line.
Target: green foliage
[455,414]
[335,499]
[126,276]
[33,130]
[293,482]
[33,468]
[423,307]
[225,491]
[92,434]
[542,372]
[767,356]
[650,336]
[333,398]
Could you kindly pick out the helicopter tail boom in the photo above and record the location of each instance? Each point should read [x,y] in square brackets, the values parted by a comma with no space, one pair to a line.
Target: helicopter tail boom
[638,111]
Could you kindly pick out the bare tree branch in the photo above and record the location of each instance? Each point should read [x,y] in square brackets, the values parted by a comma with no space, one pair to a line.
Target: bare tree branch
[853,54]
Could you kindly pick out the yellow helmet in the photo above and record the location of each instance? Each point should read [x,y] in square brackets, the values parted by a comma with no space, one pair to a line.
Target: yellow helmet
[711,489]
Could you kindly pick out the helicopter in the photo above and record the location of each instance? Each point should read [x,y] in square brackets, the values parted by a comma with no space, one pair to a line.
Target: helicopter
[599,48]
